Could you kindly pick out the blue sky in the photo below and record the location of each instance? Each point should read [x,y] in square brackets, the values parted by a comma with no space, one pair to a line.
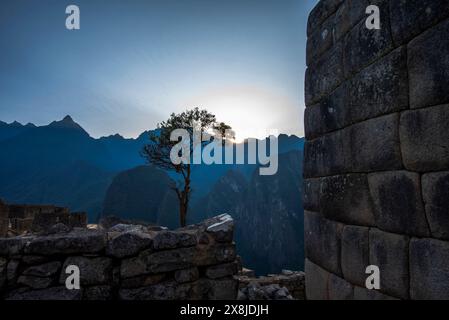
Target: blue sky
[134,62]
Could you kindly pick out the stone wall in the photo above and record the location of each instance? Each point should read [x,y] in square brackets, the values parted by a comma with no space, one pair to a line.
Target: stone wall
[377,151]
[126,262]
[20,219]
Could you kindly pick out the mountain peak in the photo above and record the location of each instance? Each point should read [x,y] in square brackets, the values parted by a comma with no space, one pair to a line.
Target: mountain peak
[66,123]
[67,118]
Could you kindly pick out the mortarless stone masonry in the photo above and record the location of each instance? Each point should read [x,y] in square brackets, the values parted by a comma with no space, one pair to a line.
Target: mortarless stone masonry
[377,150]
[127,262]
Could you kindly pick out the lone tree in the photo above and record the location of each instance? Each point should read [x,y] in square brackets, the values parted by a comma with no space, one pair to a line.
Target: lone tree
[157,152]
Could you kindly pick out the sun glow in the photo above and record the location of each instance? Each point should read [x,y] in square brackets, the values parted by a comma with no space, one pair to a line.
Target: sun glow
[252,112]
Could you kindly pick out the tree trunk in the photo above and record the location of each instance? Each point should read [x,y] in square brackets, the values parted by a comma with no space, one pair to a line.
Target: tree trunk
[184,199]
[182,213]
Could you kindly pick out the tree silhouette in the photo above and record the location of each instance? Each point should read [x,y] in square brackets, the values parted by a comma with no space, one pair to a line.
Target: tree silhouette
[157,152]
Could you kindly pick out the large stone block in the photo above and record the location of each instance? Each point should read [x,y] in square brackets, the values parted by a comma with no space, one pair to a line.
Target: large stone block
[340,289]
[355,254]
[364,46]
[398,202]
[312,191]
[411,17]
[322,241]
[425,139]
[389,252]
[321,12]
[128,243]
[13,246]
[165,261]
[54,293]
[93,271]
[365,294]
[428,64]
[326,155]
[329,114]
[320,40]
[324,74]
[435,188]
[80,241]
[3,227]
[173,239]
[346,198]
[429,269]
[347,16]
[374,144]
[317,282]
[379,89]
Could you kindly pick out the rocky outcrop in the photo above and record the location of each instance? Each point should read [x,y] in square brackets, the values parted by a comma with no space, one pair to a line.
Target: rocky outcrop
[377,150]
[128,262]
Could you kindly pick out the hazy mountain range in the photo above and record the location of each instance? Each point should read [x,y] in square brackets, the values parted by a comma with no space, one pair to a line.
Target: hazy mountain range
[62,164]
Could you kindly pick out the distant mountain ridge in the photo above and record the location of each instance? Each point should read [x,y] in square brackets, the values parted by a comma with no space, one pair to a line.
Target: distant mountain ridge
[66,153]
[62,164]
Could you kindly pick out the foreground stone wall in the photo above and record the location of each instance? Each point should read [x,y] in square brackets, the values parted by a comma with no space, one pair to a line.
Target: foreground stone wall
[21,219]
[377,151]
[125,262]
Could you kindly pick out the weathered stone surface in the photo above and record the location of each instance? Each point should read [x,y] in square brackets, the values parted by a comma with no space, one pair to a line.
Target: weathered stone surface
[380,89]
[35,282]
[398,202]
[429,270]
[12,246]
[312,191]
[12,271]
[326,155]
[173,239]
[364,46]
[340,289]
[77,241]
[3,264]
[330,114]
[143,281]
[389,252]
[98,293]
[346,198]
[322,241]
[320,40]
[187,275]
[165,261]
[223,289]
[166,291]
[33,259]
[55,293]
[93,271]
[425,139]
[355,254]
[435,188]
[317,282]
[221,270]
[320,13]
[324,75]
[221,228]
[128,244]
[428,64]
[371,145]
[411,17]
[348,15]
[44,270]
[374,144]
[365,294]
[3,227]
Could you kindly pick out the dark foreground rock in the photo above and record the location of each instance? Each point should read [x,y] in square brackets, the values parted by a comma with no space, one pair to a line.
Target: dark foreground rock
[129,262]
